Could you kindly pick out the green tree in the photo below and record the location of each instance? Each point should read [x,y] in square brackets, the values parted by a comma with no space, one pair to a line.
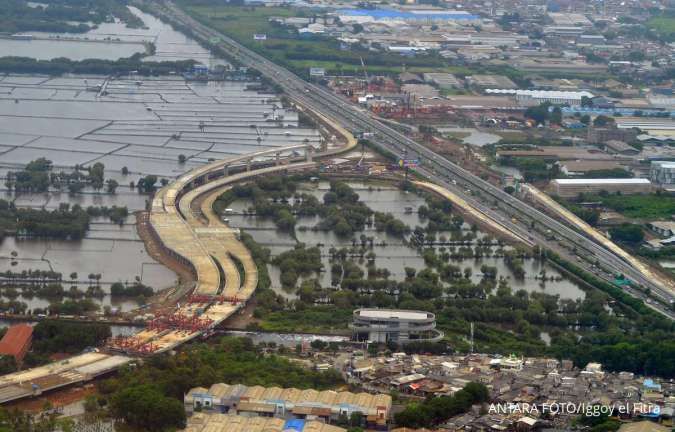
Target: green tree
[556,116]
[145,407]
[96,175]
[147,183]
[7,364]
[627,233]
[111,185]
[538,113]
[602,121]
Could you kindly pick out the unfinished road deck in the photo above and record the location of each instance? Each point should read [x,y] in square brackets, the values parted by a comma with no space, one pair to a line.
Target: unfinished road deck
[200,241]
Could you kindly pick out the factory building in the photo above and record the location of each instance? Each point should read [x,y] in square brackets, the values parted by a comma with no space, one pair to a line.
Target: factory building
[580,168]
[202,422]
[16,341]
[573,187]
[400,326]
[569,19]
[443,80]
[409,15]
[662,172]
[620,147]
[291,403]
[538,96]
[491,81]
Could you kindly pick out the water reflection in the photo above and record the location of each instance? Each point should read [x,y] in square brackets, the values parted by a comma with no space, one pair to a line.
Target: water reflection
[394,256]
[111,41]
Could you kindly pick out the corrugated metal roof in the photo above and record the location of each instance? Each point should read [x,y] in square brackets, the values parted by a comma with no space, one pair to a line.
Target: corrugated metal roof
[394,314]
[258,397]
[552,94]
[201,422]
[15,341]
[631,181]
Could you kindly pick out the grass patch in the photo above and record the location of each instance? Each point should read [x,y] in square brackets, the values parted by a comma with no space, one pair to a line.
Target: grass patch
[664,26]
[315,319]
[653,206]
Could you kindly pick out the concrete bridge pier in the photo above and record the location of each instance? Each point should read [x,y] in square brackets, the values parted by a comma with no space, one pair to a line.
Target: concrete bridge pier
[309,152]
[248,164]
[277,158]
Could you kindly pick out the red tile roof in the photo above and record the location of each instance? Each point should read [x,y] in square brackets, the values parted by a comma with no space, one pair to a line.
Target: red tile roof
[16,340]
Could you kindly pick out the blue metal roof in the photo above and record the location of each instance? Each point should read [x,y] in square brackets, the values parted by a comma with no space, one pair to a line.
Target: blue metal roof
[294,425]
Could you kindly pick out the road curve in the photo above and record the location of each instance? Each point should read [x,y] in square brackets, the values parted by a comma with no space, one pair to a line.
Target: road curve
[435,167]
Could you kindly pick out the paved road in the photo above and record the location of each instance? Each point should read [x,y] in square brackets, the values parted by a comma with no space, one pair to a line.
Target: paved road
[485,197]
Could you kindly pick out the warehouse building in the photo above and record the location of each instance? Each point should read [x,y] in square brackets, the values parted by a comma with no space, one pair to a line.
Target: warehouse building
[291,403]
[655,126]
[573,187]
[16,341]
[581,168]
[410,15]
[620,147]
[569,19]
[395,325]
[538,96]
[443,80]
[562,153]
[202,422]
[491,81]
[662,172]
[663,228]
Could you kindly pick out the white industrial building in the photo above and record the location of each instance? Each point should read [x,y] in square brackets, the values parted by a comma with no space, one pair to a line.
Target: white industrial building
[394,325]
[662,172]
[573,187]
[569,19]
[655,126]
[553,96]
[494,39]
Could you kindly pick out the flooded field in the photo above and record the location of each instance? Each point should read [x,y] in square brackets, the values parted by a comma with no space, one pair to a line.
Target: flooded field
[472,136]
[114,252]
[111,41]
[394,255]
[139,126]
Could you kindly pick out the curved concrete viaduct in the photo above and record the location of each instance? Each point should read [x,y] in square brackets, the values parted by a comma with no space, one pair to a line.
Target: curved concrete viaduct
[202,242]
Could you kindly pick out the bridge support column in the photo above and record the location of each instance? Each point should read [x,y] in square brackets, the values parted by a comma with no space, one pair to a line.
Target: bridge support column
[248,164]
[309,152]
[277,158]
[226,170]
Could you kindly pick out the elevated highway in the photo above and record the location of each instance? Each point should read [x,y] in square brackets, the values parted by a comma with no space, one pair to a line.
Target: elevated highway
[489,199]
[185,225]
[204,244]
